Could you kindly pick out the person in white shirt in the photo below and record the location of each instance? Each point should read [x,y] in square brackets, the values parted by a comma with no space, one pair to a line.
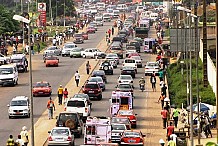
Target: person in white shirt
[54,41]
[24,135]
[77,77]
[19,141]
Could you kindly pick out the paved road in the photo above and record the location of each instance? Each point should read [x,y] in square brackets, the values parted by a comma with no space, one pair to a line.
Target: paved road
[55,76]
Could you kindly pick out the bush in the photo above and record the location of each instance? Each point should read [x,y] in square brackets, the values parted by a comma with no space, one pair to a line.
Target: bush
[177,85]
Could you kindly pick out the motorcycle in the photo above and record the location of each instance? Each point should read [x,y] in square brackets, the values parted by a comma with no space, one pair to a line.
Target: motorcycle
[142,87]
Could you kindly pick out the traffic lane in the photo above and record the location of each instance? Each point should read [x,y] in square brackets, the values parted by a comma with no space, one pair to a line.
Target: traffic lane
[56,76]
[101,108]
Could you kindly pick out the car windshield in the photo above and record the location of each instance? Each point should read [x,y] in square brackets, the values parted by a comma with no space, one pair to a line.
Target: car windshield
[129,61]
[80,96]
[77,35]
[98,73]
[5,71]
[126,86]
[136,57]
[69,46]
[51,48]
[52,58]
[111,55]
[75,104]
[98,79]
[131,134]
[116,48]
[65,116]
[125,77]
[152,65]
[134,43]
[120,120]
[118,127]
[57,132]
[41,85]
[18,103]
[16,60]
[126,112]
[91,86]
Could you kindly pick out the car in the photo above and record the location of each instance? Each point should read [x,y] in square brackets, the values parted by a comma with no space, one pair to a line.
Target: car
[99,21]
[42,88]
[78,38]
[136,44]
[53,49]
[130,114]
[117,50]
[113,56]
[130,49]
[132,137]
[121,120]
[99,80]
[92,89]
[124,87]
[19,107]
[94,24]
[85,35]
[4,59]
[82,95]
[128,70]
[51,61]
[99,73]
[140,40]
[47,55]
[79,105]
[116,13]
[76,52]
[138,61]
[92,53]
[71,120]
[107,17]
[67,49]
[124,31]
[151,67]
[117,130]
[21,61]
[106,67]
[123,37]
[8,74]
[90,29]
[61,136]
[133,54]
[130,62]
[125,79]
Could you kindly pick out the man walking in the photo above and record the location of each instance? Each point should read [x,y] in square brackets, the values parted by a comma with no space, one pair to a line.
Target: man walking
[176,116]
[19,141]
[153,82]
[171,142]
[164,90]
[24,135]
[170,130]
[88,67]
[50,107]
[162,97]
[10,141]
[60,94]
[112,30]
[164,114]
[77,77]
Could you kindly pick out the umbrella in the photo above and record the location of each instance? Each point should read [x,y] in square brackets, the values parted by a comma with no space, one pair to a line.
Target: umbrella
[203,107]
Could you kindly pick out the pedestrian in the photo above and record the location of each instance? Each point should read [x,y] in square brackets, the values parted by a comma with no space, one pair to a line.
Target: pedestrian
[106,36]
[24,135]
[171,142]
[38,48]
[50,107]
[112,30]
[14,49]
[175,116]
[77,77]
[27,49]
[88,67]
[109,33]
[153,82]
[19,141]
[108,41]
[206,126]
[170,131]
[162,97]
[65,95]
[54,41]
[164,114]
[10,141]
[160,73]
[164,90]
[60,94]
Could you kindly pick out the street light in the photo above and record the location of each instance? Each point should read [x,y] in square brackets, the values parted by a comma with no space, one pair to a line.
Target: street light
[24,20]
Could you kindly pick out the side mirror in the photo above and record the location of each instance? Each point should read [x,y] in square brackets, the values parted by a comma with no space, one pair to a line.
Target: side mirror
[8,105]
[143,135]
[49,132]
[82,86]
[136,114]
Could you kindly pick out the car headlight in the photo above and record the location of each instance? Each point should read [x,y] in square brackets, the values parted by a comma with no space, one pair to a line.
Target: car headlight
[10,110]
[25,110]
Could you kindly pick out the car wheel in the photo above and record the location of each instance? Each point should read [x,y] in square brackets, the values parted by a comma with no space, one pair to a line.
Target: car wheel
[71,56]
[106,68]
[112,72]
[9,117]
[84,56]
[100,97]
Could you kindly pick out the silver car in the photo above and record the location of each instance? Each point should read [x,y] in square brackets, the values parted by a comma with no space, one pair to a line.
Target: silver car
[99,80]
[117,130]
[53,50]
[67,48]
[61,136]
[151,67]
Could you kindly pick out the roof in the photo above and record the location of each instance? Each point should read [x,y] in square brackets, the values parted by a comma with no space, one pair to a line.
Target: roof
[61,128]
[20,98]
[17,56]
[77,99]
[8,65]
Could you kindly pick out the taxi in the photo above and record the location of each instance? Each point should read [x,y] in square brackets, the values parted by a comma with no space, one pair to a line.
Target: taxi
[42,88]
[51,61]
[132,137]
[129,114]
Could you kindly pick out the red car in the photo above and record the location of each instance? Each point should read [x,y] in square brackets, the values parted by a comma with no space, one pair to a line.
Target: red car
[130,114]
[132,137]
[85,35]
[133,54]
[92,89]
[90,29]
[42,88]
[51,61]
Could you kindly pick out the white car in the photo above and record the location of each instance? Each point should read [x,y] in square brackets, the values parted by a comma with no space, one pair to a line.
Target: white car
[61,136]
[125,79]
[151,67]
[117,130]
[8,74]
[113,56]
[79,105]
[138,61]
[67,48]
[130,62]
[4,59]
[92,52]
[19,107]
[53,50]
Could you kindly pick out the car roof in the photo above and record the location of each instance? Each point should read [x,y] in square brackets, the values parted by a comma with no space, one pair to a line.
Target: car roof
[20,98]
[42,82]
[125,75]
[8,65]
[61,128]
[132,130]
[17,56]
[77,99]
[92,83]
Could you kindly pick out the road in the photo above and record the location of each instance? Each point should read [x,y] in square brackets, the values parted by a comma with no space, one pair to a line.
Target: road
[55,76]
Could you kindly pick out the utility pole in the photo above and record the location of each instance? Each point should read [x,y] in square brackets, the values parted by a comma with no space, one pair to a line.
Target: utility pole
[205,44]
[64,14]
[51,16]
[217,67]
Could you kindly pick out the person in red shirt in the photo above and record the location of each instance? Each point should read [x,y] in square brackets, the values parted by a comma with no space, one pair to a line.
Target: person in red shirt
[65,95]
[164,114]
[170,130]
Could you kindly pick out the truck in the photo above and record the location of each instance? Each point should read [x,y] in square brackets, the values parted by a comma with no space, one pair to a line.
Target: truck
[97,130]
[142,30]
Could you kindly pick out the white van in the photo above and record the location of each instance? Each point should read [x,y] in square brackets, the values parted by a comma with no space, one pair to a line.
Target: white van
[153,16]
[139,9]
[8,74]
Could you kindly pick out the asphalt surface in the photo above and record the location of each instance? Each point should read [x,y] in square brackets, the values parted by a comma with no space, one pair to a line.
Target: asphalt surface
[54,75]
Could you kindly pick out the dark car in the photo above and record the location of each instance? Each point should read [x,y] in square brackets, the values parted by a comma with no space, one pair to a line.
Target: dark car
[128,70]
[123,37]
[99,73]
[78,38]
[124,31]
[136,44]
[92,89]
[117,39]
[107,67]
[124,87]
[71,120]
[82,95]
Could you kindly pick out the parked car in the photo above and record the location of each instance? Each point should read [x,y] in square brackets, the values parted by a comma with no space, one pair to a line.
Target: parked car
[42,88]
[151,67]
[99,73]
[53,49]
[132,137]
[51,61]
[61,136]
[128,70]
[76,52]
[92,89]
[99,80]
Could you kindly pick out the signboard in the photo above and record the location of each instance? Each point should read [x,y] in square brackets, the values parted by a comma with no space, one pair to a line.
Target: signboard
[42,16]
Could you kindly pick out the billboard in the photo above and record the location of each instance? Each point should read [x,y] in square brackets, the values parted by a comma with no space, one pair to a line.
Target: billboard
[42,16]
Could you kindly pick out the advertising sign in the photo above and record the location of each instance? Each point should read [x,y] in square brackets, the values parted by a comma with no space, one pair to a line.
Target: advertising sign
[42,11]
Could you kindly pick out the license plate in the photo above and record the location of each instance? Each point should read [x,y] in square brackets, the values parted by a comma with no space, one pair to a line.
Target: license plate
[115,134]
[17,112]
[128,71]
[91,91]
[131,140]
[59,139]
[40,92]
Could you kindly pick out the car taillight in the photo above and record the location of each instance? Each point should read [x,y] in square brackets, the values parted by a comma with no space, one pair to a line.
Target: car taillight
[122,140]
[69,138]
[86,110]
[50,138]
[146,68]
[128,127]
[141,140]
[65,109]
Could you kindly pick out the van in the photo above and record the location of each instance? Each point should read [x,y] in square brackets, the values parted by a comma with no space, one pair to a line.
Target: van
[148,44]
[21,61]
[8,74]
